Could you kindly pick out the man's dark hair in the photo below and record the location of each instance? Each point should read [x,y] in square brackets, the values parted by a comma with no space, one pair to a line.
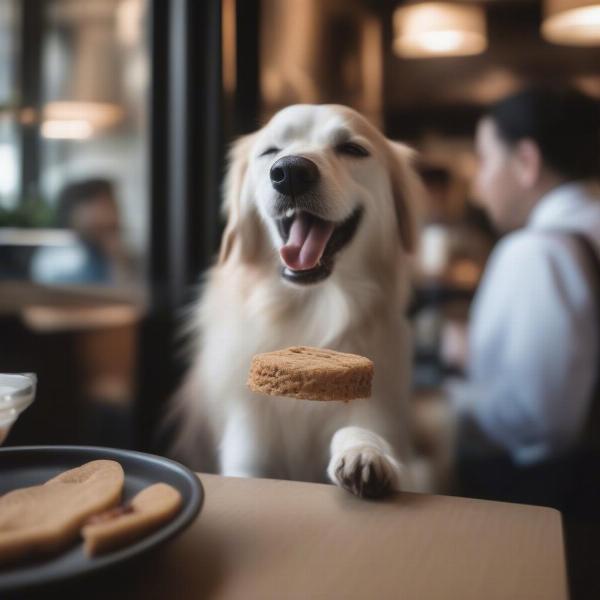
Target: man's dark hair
[77,194]
[564,123]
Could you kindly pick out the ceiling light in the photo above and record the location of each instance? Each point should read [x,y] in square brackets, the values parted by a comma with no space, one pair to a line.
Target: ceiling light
[439,29]
[572,22]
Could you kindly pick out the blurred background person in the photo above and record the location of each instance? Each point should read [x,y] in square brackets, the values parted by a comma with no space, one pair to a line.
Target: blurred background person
[88,208]
[533,336]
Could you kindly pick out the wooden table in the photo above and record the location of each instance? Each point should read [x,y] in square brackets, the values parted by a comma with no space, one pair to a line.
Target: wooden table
[262,539]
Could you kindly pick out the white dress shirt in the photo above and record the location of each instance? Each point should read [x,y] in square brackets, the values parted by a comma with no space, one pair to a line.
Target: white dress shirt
[533,335]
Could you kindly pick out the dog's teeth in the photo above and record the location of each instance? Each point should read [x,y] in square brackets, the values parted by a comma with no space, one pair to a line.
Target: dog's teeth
[289,212]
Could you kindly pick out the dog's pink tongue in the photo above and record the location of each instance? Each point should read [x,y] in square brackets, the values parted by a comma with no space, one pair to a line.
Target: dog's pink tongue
[306,244]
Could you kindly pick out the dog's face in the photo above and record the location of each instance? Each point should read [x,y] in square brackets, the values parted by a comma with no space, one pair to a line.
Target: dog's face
[327,185]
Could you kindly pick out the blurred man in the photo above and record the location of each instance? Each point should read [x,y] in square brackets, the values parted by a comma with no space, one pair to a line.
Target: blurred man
[534,331]
[90,210]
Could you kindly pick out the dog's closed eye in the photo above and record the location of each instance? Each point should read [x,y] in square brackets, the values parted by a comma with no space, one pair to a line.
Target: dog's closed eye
[352,149]
[269,150]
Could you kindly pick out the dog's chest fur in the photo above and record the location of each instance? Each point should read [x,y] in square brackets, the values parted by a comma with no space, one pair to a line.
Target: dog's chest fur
[236,323]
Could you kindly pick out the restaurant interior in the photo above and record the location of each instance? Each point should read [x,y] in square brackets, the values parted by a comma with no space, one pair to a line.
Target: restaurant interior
[138,101]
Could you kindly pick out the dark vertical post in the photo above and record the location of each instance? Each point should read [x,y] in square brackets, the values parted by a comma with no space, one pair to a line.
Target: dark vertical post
[32,12]
[205,133]
[158,154]
[179,134]
[247,93]
[187,144]
[186,166]
[386,15]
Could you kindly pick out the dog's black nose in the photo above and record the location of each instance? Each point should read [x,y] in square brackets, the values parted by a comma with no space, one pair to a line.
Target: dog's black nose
[294,175]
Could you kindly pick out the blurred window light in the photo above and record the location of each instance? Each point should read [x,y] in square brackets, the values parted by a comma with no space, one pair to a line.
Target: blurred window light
[19,236]
[9,23]
[9,172]
[572,22]
[74,129]
[432,29]
[129,18]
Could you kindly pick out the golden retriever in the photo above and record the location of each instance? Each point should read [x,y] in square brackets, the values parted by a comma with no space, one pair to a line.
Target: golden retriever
[319,224]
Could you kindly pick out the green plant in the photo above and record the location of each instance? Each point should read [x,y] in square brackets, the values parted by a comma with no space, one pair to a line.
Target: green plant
[30,212]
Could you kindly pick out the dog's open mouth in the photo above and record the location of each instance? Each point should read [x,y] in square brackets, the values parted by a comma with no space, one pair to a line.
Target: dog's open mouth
[310,244]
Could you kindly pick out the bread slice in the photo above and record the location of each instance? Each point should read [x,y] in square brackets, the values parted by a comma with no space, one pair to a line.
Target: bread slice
[311,374]
[45,519]
[148,510]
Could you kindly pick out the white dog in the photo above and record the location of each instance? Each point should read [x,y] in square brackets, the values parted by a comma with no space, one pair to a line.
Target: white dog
[314,253]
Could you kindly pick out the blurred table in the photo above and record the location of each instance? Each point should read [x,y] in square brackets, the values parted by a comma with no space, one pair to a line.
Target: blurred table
[264,539]
[81,341]
[17,296]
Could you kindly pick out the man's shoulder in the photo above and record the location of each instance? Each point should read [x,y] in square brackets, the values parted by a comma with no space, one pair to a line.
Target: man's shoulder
[534,257]
[531,243]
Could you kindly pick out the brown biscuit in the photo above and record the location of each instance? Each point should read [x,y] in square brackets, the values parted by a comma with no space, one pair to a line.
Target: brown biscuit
[121,526]
[45,519]
[311,374]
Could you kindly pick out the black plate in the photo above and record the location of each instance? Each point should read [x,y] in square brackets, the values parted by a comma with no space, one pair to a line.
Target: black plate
[32,465]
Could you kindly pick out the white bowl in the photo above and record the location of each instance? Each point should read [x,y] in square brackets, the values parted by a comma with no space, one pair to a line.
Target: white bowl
[17,391]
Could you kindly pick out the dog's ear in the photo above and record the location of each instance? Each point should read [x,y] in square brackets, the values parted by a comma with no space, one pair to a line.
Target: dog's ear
[408,192]
[233,208]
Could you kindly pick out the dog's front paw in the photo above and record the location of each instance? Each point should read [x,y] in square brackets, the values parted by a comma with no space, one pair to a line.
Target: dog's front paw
[365,472]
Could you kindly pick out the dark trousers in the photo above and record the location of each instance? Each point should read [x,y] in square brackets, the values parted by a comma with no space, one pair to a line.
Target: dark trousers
[570,483]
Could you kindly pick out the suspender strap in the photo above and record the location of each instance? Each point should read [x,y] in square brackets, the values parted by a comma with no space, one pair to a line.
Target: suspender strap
[591,432]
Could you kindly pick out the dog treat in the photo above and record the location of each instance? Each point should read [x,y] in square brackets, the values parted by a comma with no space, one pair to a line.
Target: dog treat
[311,374]
[45,519]
[118,527]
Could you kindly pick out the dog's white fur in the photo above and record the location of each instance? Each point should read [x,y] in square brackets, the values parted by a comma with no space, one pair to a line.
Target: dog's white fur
[247,308]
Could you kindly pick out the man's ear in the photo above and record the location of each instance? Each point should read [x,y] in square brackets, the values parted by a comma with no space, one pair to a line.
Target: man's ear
[237,219]
[529,162]
[408,192]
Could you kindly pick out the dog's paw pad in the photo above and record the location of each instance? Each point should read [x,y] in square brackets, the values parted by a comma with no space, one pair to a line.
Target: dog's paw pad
[365,471]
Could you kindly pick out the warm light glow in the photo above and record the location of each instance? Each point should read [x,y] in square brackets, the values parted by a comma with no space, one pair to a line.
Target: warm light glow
[588,84]
[78,120]
[441,42]
[229,45]
[129,17]
[439,29]
[572,22]
[371,69]
[67,129]
[99,115]
[27,116]
[489,87]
